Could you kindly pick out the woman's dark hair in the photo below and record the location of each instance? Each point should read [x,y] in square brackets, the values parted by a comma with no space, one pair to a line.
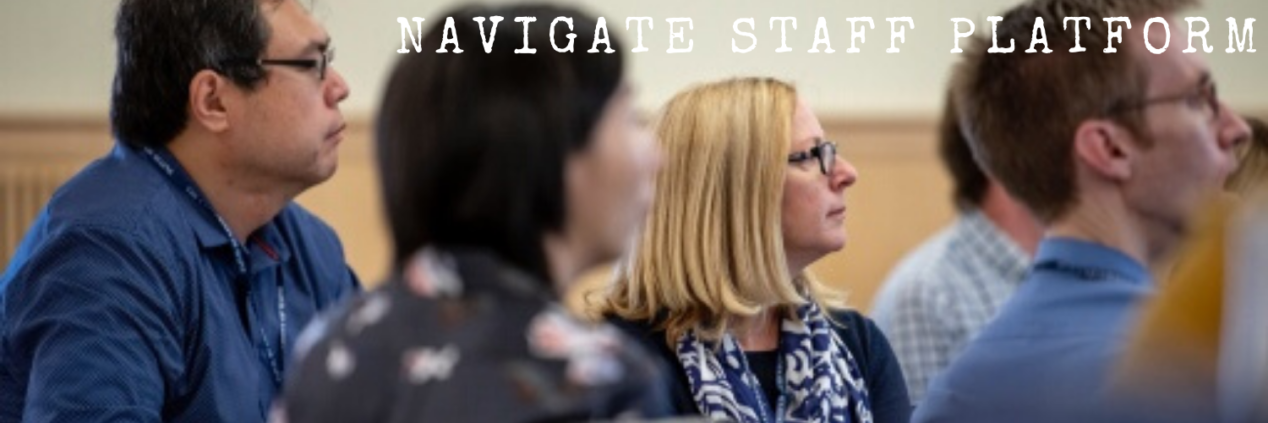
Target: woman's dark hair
[162,44]
[472,146]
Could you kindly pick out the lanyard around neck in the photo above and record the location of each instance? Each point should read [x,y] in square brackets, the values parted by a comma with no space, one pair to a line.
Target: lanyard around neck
[1080,272]
[171,168]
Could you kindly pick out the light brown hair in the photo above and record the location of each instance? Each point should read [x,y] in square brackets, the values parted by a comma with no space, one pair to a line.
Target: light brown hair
[1022,109]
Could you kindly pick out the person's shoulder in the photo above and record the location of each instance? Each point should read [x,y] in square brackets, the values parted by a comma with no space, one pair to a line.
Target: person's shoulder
[875,356]
[927,254]
[920,271]
[636,326]
[644,331]
[113,260]
[343,356]
[849,318]
[107,210]
[335,322]
[931,278]
[852,319]
[111,192]
[856,330]
[116,209]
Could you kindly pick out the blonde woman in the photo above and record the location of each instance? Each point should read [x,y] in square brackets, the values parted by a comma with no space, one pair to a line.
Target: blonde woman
[751,193]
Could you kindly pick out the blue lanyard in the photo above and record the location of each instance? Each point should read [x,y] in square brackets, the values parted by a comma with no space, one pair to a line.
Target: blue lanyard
[171,167]
[1079,272]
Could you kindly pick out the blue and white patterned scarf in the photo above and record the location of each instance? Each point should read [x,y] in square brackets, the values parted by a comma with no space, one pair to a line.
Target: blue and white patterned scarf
[822,380]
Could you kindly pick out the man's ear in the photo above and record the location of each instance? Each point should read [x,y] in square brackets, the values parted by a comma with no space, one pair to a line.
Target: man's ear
[207,101]
[1106,148]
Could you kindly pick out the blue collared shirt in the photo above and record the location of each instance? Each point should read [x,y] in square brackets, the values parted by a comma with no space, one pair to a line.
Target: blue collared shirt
[1049,353]
[121,303]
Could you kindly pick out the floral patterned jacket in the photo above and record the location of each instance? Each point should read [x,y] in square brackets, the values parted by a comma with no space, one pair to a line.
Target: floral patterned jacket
[462,337]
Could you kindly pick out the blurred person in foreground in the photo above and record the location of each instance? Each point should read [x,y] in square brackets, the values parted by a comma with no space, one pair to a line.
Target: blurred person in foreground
[1187,335]
[751,194]
[942,293]
[1252,162]
[1114,153]
[505,177]
[167,281]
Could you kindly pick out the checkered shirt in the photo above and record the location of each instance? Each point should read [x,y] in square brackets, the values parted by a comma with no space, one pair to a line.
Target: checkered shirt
[944,292]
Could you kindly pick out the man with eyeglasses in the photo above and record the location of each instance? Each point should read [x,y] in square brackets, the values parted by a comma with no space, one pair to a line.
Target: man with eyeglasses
[1114,153]
[167,281]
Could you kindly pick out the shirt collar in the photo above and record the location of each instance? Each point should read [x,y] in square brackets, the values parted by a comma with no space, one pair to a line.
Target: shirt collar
[206,229]
[267,247]
[1080,254]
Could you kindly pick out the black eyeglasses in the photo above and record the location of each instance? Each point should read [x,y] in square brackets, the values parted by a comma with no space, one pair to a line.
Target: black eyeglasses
[1204,96]
[327,56]
[825,151]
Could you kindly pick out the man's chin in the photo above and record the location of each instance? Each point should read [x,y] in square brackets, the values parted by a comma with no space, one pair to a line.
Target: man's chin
[318,176]
[327,167]
[325,176]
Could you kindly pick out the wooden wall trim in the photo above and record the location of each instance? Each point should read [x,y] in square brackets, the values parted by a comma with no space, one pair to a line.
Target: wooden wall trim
[41,123]
[80,136]
[44,123]
[898,203]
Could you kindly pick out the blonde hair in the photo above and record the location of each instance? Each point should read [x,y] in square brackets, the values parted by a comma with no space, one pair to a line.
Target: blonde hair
[1252,169]
[712,249]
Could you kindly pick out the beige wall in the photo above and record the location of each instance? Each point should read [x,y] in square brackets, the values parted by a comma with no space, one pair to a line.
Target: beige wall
[901,196]
[58,55]
[58,61]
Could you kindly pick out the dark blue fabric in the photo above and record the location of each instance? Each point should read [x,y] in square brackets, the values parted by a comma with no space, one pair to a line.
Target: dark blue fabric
[120,304]
[1048,355]
[765,367]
